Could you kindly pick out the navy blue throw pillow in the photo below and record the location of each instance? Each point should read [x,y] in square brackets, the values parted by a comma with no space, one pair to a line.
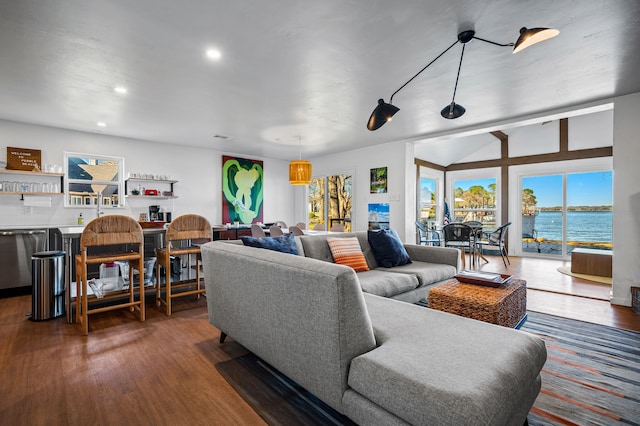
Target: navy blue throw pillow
[284,243]
[387,248]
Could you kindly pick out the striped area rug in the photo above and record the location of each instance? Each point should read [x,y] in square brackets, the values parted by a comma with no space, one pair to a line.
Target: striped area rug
[591,377]
[592,373]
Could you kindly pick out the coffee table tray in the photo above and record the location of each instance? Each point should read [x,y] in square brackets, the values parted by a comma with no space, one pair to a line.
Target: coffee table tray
[487,279]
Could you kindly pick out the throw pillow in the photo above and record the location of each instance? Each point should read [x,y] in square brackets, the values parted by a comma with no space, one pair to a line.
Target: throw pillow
[347,251]
[387,248]
[284,243]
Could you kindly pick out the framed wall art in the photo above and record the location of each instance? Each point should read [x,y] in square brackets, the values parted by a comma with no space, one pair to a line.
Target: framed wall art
[379,180]
[242,190]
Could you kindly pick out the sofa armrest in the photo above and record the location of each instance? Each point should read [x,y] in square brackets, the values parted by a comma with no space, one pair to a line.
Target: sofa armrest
[429,254]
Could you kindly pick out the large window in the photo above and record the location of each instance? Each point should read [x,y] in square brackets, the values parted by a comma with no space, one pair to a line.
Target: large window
[475,200]
[330,201]
[93,180]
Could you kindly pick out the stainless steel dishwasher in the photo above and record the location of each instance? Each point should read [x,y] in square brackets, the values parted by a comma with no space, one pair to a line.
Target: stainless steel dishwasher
[16,248]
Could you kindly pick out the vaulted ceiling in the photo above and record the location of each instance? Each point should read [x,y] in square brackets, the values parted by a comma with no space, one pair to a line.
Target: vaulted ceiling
[302,73]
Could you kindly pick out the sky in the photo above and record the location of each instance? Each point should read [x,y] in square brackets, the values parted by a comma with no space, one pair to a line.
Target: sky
[583,189]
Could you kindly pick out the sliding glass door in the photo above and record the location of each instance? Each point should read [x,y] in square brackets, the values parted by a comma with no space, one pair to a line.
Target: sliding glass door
[563,211]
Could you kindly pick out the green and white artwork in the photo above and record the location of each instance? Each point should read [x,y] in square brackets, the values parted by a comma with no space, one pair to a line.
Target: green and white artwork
[242,190]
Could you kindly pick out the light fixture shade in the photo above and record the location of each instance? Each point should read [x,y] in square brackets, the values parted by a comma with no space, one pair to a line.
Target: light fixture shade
[300,172]
[452,111]
[531,36]
[381,114]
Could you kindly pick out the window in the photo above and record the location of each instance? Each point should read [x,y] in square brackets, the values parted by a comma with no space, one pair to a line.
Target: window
[330,201]
[427,202]
[475,200]
[92,176]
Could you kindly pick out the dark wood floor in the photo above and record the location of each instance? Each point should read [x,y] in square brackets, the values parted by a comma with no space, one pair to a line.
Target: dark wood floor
[162,371]
[552,292]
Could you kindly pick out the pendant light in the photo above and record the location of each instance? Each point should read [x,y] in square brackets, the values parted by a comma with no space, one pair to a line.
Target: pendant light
[300,170]
[383,112]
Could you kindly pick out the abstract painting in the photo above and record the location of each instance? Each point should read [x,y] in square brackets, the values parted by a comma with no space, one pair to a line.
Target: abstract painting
[242,190]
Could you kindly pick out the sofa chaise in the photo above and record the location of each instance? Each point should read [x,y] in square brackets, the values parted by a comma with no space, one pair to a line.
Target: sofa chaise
[372,358]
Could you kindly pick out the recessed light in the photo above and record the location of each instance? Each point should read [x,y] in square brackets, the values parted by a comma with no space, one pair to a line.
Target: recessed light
[101,124]
[120,89]
[214,54]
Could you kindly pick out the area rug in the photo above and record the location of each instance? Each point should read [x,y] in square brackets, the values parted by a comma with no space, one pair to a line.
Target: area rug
[592,373]
[596,278]
[591,377]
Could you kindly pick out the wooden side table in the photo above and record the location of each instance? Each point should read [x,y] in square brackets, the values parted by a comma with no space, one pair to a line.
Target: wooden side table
[505,305]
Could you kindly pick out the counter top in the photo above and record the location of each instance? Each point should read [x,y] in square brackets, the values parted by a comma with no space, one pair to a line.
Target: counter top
[13,227]
[76,231]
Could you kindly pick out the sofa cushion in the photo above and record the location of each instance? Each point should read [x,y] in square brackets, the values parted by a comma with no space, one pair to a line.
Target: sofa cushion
[427,273]
[383,283]
[284,243]
[476,373]
[347,251]
[387,248]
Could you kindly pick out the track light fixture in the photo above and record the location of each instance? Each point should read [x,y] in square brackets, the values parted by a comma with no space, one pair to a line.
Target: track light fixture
[528,37]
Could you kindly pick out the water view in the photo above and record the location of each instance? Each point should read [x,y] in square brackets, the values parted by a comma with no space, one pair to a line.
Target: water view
[582,226]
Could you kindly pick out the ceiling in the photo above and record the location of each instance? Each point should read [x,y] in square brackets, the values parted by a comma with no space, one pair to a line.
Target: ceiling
[307,74]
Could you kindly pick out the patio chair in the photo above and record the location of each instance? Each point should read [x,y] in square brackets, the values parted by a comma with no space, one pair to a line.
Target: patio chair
[496,239]
[460,236]
[427,236]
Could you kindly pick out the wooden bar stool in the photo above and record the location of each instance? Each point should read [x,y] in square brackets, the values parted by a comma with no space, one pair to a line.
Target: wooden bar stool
[194,230]
[105,237]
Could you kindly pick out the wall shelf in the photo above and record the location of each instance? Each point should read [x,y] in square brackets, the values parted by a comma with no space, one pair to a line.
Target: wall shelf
[17,173]
[153,197]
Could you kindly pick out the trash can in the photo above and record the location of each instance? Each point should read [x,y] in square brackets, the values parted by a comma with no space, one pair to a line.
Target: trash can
[48,285]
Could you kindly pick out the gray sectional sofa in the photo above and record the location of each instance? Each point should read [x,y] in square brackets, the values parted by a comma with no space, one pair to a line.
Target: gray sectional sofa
[372,358]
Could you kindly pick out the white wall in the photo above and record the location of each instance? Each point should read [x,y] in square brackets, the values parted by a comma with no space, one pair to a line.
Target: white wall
[398,158]
[626,198]
[197,170]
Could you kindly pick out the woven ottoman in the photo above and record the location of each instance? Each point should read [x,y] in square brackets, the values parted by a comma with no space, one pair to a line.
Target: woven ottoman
[505,305]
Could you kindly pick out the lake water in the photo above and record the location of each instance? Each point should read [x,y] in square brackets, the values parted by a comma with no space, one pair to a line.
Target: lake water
[583,226]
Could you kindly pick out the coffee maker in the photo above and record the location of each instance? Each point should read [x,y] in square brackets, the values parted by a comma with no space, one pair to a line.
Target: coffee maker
[154,213]
[158,214]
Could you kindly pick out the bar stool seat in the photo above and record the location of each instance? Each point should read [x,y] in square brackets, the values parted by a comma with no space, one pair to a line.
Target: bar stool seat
[184,236]
[105,237]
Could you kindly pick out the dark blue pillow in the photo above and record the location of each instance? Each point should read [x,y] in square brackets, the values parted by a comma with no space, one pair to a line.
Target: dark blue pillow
[284,243]
[387,248]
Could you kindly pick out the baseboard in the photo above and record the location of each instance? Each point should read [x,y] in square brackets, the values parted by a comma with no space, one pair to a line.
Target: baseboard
[622,301]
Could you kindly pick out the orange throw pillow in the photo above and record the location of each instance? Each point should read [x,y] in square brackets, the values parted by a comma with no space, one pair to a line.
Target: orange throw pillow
[347,251]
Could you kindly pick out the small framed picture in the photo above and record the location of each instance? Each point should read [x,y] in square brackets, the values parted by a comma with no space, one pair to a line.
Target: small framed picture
[379,180]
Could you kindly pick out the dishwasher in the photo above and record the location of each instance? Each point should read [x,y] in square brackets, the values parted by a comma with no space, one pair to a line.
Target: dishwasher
[16,248]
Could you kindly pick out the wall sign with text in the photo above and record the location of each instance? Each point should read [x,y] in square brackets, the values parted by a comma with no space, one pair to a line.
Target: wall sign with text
[24,159]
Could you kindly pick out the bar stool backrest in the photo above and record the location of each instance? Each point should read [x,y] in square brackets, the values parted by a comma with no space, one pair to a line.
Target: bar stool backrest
[189,227]
[111,230]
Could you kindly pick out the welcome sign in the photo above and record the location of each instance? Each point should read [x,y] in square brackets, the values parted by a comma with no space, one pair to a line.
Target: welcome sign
[24,159]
